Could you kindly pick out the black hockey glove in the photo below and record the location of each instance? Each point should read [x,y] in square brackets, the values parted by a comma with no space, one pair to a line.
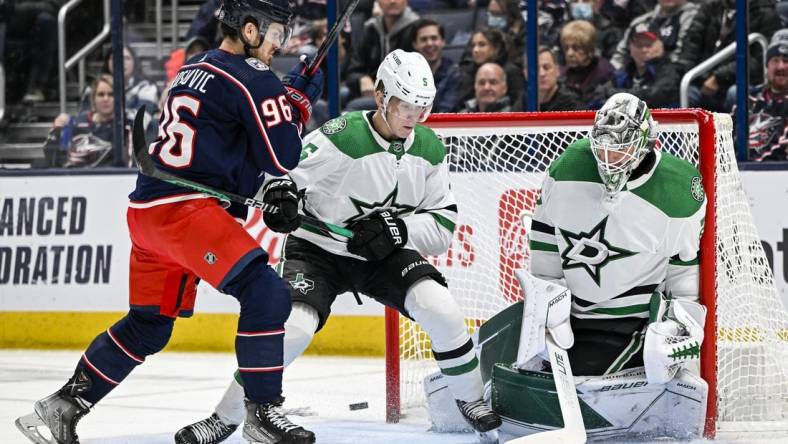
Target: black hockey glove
[283,194]
[377,236]
[303,90]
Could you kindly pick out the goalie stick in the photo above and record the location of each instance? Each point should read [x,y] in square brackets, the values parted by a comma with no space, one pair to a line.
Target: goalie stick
[330,38]
[147,167]
[574,431]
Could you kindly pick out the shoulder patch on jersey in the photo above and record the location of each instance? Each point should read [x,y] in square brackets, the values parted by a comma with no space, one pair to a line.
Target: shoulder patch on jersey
[696,188]
[576,164]
[427,145]
[257,64]
[334,126]
[351,135]
[675,187]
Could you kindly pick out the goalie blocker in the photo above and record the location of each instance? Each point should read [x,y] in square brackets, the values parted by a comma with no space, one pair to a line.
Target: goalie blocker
[622,404]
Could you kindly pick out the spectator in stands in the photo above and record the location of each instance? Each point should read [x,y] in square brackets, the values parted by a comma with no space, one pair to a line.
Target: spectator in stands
[670,20]
[193,46]
[768,104]
[139,90]
[608,33]
[490,91]
[381,35]
[622,12]
[490,45]
[553,96]
[712,29]
[429,40]
[87,137]
[649,75]
[35,21]
[505,16]
[584,69]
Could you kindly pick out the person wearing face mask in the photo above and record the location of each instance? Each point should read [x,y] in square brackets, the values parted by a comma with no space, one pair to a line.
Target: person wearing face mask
[608,34]
[505,16]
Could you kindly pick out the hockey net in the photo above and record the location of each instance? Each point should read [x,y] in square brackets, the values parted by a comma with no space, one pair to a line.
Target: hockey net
[497,164]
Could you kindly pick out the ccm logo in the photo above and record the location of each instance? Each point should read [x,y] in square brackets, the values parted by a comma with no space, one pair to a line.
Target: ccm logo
[388,219]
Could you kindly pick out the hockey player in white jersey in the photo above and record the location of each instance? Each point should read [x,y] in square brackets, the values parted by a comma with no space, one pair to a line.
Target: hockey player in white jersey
[618,223]
[382,175]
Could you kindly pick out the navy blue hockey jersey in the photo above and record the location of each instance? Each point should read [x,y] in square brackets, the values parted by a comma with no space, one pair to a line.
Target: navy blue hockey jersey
[225,123]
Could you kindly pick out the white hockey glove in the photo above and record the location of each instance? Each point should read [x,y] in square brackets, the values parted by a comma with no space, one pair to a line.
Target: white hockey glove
[547,305]
[673,340]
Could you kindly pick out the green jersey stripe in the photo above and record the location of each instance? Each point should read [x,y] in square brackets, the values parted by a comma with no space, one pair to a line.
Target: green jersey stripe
[676,261]
[461,369]
[542,246]
[622,311]
[443,222]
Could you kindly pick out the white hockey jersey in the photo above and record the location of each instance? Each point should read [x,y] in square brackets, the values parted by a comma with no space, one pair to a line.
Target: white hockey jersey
[614,252]
[350,171]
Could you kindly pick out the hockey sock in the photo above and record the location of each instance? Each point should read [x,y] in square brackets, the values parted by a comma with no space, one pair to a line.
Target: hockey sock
[431,305]
[299,330]
[265,305]
[116,352]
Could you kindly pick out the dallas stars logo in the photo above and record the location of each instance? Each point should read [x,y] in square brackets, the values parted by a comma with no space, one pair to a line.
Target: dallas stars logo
[388,202]
[301,284]
[590,251]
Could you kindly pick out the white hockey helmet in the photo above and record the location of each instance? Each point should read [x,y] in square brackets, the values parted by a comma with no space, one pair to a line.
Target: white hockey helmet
[623,133]
[408,77]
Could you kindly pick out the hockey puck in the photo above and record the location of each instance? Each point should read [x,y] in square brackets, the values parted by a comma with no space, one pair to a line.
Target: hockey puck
[359,406]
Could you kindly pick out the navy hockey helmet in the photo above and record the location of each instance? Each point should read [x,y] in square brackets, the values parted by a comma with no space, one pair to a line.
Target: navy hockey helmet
[235,13]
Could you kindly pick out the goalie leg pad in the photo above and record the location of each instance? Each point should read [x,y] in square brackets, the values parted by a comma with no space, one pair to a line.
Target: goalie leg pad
[621,405]
[116,352]
[431,305]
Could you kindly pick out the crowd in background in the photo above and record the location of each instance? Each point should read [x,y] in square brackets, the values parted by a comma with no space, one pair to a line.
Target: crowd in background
[588,50]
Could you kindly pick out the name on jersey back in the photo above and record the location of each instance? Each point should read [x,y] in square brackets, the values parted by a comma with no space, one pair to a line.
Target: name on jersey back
[193,78]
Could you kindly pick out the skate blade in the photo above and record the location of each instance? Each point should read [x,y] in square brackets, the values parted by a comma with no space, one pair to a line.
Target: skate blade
[29,425]
[490,437]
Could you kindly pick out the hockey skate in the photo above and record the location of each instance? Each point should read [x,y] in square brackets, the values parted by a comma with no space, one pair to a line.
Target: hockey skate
[59,412]
[210,430]
[479,415]
[266,424]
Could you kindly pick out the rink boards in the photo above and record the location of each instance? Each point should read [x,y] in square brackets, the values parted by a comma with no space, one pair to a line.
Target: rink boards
[64,261]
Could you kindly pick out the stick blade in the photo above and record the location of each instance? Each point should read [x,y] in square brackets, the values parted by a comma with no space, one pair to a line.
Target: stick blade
[140,144]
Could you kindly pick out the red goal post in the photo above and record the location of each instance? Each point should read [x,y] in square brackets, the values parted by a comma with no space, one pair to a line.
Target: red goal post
[507,153]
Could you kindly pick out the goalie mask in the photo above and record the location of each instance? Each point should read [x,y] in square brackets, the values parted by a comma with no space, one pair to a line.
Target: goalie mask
[623,133]
[273,18]
[408,77]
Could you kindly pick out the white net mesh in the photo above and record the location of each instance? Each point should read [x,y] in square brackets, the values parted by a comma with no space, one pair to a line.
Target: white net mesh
[497,170]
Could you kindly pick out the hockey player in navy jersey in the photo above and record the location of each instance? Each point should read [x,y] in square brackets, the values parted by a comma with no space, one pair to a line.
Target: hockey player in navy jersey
[228,122]
[384,176]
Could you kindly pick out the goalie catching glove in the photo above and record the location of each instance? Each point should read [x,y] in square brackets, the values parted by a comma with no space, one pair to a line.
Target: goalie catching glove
[303,90]
[377,236]
[282,193]
[673,338]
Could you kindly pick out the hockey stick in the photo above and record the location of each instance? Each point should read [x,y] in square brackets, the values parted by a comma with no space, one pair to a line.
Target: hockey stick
[147,167]
[574,431]
[330,38]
